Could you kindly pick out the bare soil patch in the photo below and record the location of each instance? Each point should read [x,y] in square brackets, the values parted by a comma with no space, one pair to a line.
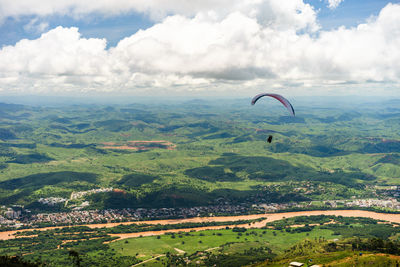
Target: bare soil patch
[140,145]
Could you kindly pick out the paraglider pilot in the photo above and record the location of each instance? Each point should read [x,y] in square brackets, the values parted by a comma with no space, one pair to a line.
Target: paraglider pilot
[281,99]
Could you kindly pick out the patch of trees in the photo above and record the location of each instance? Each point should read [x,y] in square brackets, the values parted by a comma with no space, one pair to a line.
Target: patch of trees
[60,248]
[166,197]
[114,125]
[381,147]
[18,145]
[62,120]
[315,150]
[30,158]
[6,134]
[239,229]
[377,245]
[71,145]
[246,257]
[39,180]
[38,207]
[80,126]
[314,219]
[136,179]
[6,151]
[392,158]
[364,231]
[270,169]
[65,129]
[16,261]
[219,136]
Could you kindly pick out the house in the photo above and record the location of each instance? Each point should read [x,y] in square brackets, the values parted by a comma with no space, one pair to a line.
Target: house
[295,264]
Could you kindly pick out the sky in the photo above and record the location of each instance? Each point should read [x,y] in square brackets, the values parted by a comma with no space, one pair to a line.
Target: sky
[199,47]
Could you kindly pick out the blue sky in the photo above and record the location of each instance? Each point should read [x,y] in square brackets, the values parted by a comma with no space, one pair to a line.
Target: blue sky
[287,46]
[349,13]
[112,28]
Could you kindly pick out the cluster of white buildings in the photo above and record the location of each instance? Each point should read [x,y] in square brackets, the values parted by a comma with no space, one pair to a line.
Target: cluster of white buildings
[83,205]
[12,214]
[271,207]
[73,217]
[78,216]
[51,201]
[75,195]
[5,221]
[382,203]
[391,203]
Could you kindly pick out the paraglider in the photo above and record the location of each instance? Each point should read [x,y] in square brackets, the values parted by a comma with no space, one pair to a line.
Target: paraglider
[281,99]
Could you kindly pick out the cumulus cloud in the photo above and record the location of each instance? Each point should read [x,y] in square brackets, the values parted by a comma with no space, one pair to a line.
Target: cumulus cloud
[261,44]
[333,4]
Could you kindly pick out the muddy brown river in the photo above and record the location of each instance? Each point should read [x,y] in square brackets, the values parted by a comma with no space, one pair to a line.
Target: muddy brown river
[270,217]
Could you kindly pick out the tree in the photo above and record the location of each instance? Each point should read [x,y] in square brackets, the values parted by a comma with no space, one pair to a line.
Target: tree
[75,257]
[330,247]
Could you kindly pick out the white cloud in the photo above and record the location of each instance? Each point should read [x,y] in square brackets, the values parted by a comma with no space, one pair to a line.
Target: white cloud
[36,26]
[60,51]
[258,46]
[157,9]
[290,11]
[332,4]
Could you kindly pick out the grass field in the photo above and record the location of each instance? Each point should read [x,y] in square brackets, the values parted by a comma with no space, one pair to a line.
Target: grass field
[147,247]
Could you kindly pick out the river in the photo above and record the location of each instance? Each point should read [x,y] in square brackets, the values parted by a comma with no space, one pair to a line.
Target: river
[269,217]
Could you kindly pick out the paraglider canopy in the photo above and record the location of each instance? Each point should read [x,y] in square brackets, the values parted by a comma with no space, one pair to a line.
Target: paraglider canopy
[283,100]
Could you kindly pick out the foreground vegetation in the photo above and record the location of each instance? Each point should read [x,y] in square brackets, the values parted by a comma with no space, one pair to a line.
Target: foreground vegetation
[321,239]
